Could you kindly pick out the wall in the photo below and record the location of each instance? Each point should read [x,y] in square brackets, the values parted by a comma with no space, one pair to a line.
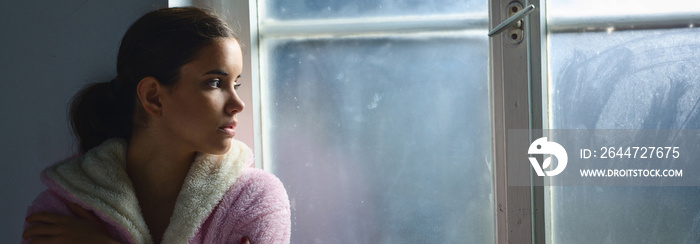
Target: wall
[49,50]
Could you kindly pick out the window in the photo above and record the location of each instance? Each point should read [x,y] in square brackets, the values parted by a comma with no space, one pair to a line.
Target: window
[387,120]
[376,118]
[624,65]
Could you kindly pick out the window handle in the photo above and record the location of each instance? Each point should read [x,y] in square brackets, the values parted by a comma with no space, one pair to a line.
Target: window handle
[512,20]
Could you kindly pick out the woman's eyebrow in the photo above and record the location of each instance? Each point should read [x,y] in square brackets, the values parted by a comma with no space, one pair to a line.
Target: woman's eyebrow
[216,72]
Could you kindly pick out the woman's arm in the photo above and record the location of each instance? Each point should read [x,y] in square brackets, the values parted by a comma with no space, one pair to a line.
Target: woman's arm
[51,219]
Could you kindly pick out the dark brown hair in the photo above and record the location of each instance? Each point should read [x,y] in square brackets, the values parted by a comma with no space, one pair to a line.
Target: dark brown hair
[156,45]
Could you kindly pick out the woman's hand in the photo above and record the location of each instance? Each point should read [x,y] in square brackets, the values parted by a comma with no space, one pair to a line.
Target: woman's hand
[56,228]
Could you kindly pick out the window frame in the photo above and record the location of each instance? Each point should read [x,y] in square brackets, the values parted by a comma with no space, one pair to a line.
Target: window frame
[516,97]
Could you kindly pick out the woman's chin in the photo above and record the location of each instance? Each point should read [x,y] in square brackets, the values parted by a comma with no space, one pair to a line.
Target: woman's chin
[219,148]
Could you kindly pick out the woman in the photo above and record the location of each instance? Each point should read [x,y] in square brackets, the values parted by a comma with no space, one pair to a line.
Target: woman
[160,164]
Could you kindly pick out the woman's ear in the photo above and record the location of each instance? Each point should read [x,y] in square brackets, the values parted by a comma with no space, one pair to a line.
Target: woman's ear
[149,91]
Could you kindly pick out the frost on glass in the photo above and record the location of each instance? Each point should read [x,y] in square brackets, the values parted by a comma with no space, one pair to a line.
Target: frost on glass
[314,9]
[645,79]
[382,140]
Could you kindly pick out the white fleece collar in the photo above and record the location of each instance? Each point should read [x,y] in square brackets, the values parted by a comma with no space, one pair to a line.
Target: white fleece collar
[99,179]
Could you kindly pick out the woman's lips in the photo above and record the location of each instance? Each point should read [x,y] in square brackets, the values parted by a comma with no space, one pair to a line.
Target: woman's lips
[228,129]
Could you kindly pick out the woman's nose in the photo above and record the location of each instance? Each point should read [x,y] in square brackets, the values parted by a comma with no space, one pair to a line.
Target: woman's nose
[234,104]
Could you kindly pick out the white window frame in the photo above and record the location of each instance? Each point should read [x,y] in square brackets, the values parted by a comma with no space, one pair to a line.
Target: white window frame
[516,101]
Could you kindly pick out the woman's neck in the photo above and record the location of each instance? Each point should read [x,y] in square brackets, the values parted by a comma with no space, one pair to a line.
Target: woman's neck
[157,169]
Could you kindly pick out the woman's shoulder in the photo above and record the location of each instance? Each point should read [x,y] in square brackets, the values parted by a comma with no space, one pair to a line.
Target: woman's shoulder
[257,183]
[256,206]
[255,193]
[252,181]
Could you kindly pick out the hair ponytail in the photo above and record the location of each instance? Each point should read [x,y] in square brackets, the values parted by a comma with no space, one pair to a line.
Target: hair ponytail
[97,113]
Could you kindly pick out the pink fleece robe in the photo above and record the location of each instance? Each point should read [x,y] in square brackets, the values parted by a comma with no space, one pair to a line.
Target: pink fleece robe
[222,199]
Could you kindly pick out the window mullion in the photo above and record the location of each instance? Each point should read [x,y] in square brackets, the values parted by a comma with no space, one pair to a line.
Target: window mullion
[562,24]
[368,26]
[511,103]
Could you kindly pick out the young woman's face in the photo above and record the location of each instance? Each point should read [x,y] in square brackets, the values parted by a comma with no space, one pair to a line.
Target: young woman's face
[200,109]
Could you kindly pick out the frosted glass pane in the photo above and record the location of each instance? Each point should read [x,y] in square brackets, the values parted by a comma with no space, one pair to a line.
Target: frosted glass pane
[314,9]
[644,79]
[383,140]
[625,80]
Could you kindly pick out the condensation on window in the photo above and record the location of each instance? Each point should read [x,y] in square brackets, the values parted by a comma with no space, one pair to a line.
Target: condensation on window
[381,140]
[636,79]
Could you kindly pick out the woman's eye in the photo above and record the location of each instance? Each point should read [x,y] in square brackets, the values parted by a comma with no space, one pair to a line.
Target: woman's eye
[216,83]
[235,87]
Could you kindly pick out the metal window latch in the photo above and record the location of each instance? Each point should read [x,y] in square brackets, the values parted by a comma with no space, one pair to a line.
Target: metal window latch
[515,22]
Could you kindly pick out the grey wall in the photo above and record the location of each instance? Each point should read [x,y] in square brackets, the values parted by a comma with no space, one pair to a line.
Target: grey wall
[49,50]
